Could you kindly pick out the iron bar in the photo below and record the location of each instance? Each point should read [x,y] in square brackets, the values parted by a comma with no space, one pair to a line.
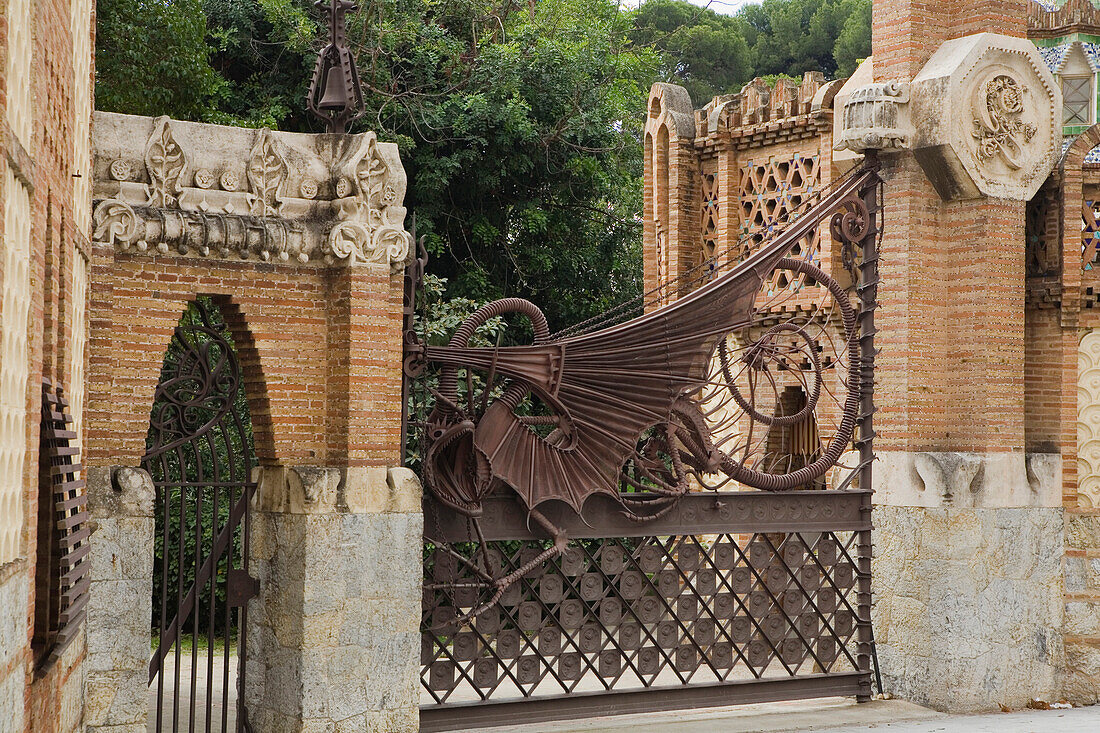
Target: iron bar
[698,513]
[578,705]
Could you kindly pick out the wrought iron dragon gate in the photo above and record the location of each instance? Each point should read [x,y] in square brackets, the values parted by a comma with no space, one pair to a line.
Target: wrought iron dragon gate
[666,511]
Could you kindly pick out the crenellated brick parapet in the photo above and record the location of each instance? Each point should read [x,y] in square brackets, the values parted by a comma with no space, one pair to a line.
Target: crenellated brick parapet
[719,178]
[1074,16]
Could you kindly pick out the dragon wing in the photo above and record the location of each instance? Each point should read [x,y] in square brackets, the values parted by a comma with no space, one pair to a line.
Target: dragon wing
[610,386]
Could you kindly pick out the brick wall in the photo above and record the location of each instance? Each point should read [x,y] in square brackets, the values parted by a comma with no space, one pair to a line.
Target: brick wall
[46,98]
[320,352]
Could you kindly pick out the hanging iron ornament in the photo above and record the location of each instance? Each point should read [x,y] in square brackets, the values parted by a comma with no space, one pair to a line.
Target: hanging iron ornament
[643,411]
[335,95]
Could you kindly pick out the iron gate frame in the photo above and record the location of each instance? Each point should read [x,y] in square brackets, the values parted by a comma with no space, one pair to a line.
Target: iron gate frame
[724,513]
[204,384]
[504,518]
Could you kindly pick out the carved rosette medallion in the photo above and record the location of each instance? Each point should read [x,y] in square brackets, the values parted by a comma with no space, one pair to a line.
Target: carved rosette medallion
[999,126]
[204,178]
[121,170]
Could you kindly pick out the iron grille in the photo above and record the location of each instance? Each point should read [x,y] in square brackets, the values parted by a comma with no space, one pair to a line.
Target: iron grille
[705,608]
[63,563]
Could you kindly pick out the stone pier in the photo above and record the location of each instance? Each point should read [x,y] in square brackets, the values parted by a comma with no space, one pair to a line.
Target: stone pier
[968,569]
[120,502]
[334,637]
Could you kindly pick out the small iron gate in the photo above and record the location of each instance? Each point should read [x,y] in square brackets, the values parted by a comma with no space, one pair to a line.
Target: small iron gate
[731,598]
[200,456]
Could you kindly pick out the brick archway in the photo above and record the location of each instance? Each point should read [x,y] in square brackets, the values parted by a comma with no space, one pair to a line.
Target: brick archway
[322,354]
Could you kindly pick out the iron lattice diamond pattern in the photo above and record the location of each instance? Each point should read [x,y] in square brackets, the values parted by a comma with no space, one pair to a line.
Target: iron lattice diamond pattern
[625,613]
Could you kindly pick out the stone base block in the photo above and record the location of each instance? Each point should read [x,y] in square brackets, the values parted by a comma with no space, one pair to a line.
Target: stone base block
[334,635]
[968,605]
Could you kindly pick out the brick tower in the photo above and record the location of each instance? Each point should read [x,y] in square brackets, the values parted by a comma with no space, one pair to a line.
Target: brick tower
[968,568]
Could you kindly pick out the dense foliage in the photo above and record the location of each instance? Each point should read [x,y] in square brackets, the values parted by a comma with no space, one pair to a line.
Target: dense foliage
[518,125]
[714,54]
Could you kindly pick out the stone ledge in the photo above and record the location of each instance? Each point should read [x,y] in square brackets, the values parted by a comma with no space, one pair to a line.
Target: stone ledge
[968,480]
[325,490]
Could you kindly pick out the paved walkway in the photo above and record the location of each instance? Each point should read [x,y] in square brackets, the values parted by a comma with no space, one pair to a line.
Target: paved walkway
[832,715]
[829,715]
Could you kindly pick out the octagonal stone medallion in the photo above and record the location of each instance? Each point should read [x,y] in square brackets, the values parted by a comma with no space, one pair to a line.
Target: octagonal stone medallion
[986,115]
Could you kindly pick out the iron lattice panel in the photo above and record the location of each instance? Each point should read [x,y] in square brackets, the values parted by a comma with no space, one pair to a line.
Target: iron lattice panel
[622,613]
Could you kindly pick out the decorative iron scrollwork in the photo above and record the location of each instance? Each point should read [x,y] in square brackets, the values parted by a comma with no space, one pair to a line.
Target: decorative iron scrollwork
[643,411]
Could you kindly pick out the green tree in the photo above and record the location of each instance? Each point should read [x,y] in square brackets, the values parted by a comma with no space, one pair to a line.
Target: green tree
[264,52]
[793,36]
[152,58]
[701,50]
[853,44]
[520,131]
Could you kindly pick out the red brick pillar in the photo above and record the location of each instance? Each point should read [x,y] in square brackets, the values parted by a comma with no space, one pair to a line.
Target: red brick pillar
[957,497]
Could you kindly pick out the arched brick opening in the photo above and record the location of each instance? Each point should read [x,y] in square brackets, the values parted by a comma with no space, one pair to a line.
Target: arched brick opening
[280,319]
[252,374]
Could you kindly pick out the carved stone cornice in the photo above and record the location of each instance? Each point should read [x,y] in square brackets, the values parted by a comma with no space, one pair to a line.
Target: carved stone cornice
[197,190]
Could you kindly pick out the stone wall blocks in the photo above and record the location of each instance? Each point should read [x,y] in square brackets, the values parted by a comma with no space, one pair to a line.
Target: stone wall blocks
[120,557]
[121,640]
[117,698]
[365,490]
[979,622]
[1083,531]
[1082,618]
[1083,662]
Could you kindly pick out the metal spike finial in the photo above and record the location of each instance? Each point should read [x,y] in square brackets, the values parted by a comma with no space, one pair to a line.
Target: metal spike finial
[335,95]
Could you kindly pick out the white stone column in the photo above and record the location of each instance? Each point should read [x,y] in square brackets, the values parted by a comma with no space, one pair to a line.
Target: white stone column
[333,639]
[120,502]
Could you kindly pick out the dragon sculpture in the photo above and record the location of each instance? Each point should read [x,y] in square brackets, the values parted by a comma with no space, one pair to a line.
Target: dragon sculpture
[628,411]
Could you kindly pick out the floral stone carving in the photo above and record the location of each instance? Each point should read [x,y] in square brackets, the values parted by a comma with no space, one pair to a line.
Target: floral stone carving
[985,112]
[266,174]
[253,194]
[998,121]
[373,230]
[165,161]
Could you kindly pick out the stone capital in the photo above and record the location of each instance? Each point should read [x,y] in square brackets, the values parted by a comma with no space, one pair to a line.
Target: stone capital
[328,490]
[986,114]
[971,480]
[120,491]
[209,191]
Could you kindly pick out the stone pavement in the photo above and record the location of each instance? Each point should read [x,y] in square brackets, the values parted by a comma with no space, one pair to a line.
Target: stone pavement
[833,715]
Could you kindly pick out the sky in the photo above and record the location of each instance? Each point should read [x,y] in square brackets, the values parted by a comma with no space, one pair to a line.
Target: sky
[728,7]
